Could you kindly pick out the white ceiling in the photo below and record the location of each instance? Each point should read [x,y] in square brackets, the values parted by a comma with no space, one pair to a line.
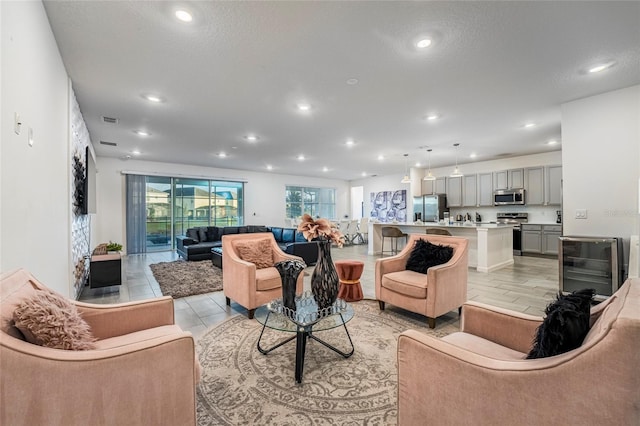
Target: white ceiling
[241,67]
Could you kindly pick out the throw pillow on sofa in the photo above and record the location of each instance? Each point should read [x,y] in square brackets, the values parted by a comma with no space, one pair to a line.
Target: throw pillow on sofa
[202,234]
[425,255]
[257,252]
[193,234]
[565,325]
[49,320]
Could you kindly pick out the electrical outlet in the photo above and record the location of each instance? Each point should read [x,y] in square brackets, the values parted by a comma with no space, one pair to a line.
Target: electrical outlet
[16,123]
[581,213]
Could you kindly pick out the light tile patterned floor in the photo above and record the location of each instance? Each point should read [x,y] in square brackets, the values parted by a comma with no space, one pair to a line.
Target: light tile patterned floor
[527,286]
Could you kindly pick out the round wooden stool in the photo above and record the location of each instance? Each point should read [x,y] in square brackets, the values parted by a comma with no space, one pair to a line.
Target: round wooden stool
[349,272]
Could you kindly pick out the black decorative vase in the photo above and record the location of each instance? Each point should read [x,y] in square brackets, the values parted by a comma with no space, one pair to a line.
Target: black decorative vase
[289,271]
[324,280]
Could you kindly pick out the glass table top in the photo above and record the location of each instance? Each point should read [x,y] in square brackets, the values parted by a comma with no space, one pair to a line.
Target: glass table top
[275,316]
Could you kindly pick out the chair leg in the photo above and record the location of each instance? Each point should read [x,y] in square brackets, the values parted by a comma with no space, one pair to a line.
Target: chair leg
[381,304]
[228,301]
[250,313]
[432,322]
[460,310]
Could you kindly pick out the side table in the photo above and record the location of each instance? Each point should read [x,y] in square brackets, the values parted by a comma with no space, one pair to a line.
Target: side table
[105,270]
[349,273]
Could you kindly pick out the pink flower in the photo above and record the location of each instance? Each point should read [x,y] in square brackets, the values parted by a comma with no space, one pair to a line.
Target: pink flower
[321,229]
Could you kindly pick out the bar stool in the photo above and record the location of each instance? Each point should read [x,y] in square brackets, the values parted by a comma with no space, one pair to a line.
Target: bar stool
[394,233]
[438,231]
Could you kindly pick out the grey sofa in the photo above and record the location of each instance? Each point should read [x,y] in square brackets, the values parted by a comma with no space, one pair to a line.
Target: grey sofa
[206,242]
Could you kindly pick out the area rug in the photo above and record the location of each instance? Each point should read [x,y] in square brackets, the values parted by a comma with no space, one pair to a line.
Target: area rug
[183,278]
[240,386]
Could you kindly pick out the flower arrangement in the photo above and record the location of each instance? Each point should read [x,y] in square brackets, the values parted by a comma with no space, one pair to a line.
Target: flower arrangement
[321,229]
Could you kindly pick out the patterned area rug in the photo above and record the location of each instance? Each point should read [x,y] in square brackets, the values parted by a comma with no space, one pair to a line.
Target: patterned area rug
[240,386]
[183,278]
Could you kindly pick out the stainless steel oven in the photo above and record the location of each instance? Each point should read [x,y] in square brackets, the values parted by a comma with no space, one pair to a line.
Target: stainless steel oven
[515,219]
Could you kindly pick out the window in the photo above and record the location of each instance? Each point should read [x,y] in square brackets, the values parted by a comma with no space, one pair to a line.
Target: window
[317,202]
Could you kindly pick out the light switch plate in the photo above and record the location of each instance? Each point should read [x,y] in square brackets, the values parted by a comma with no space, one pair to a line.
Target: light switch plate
[17,123]
[581,213]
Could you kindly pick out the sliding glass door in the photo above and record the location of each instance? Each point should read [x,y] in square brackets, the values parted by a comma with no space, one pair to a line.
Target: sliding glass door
[158,208]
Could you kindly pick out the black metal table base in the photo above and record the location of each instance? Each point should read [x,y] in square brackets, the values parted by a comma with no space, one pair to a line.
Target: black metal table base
[301,336]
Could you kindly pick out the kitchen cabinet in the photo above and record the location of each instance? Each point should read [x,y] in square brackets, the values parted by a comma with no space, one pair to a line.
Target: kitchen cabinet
[553,193]
[531,239]
[534,186]
[508,179]
[440,185]
[540,239]
[470,191]
[428,187]
[454,191]
[550,238]
[485,190]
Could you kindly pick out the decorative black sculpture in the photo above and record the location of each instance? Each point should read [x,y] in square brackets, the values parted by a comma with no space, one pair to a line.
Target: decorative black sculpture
[289,271]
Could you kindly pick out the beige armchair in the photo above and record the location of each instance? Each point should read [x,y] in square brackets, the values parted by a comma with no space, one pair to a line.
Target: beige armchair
[246,284]
[143,370]
[442,289]
[480,375]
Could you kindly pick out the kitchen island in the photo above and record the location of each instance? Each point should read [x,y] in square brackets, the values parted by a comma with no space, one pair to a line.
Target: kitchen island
[490,245]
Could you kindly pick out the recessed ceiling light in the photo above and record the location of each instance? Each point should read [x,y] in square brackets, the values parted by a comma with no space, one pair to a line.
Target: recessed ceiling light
[135,152]
[601,67]
[350,142]
[380,157]
[222,154]
[153,98]
[552,142]
[184,16]
[304,107]
[432,117]
[529,125]
[364,174]
[141,133]
[473,155]
[417,164]
[251,138]
[325,169]
[269,167]
[424,43]
[352,81]
[300,157]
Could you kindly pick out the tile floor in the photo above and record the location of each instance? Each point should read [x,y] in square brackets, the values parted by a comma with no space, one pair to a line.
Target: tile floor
[527,286]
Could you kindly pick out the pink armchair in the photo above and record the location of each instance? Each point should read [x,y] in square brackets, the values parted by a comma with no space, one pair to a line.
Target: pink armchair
[442,289]
[143,370]
[480,375]
[243,282]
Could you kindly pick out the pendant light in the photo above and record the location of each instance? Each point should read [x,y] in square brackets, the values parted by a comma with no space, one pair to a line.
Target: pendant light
[429,175]
[406,178]
[456,171]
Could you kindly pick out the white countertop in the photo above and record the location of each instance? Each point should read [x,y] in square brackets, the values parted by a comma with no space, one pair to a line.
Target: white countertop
[453,225]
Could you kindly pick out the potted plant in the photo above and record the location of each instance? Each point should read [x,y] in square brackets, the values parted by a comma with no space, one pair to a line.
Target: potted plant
[113,248]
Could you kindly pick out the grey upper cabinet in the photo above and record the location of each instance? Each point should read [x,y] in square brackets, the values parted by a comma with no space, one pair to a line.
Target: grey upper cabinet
[553,193]
[507,179]
[470,191]
[428,187]
[440,185]
[454,191]
[485,190]
[535,194]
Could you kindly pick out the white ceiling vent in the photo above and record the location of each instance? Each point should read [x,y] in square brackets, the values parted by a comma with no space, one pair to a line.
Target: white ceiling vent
[108,143]
[109,120]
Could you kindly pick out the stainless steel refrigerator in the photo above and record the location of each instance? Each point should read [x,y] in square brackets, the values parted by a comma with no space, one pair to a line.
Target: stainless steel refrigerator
[429,208]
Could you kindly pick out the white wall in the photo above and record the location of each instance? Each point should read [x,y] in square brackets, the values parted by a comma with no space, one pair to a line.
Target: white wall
[601,168]
[537,214]
[264,193]
[35,186]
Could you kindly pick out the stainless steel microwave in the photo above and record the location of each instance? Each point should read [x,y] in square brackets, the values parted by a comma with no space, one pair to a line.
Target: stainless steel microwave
[508,197]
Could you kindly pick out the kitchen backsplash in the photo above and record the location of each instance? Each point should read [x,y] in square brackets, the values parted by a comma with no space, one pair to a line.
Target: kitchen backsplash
[537,214]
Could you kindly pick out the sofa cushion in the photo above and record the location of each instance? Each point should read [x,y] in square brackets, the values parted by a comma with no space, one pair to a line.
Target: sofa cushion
[193,234]
[243,229]
[288,235]
[257,252]
[229,230]
[482,346]
[408,283]
[277,234]
[268,279]
[300,237]
[49,320]
[565,325]
[202,234]
[257,228]
[425,255]
[213,234]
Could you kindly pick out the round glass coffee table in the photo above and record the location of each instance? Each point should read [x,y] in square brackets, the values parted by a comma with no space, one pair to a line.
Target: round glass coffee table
[304,321]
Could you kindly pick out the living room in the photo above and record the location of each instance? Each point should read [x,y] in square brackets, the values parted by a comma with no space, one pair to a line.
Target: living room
[600,157]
